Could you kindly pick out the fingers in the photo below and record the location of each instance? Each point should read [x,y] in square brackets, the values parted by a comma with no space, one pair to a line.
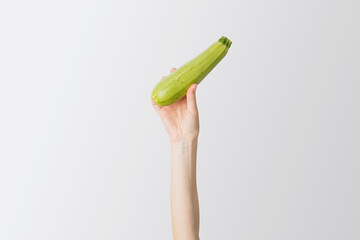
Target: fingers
[157,107]
[171,71]
[191,100]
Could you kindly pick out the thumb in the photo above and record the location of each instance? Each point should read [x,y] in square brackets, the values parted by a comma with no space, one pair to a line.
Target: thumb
[191,99]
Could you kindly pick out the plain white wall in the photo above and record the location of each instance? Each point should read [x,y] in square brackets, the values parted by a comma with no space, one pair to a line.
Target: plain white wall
[84,156]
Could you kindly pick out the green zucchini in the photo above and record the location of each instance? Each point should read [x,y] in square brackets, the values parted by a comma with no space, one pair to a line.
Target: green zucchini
[174,87]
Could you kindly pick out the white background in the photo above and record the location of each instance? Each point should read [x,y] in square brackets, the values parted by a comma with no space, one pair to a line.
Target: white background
[83,155]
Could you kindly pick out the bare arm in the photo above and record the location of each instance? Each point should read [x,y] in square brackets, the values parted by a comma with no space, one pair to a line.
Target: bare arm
[181,121]
[184,197]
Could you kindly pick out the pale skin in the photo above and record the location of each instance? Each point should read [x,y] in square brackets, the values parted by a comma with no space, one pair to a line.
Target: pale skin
[181,121]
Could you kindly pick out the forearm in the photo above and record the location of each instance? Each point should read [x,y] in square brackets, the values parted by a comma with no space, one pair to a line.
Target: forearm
[184,197]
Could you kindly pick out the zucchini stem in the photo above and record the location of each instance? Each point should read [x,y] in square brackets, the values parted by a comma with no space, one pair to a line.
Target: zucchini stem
[225,41]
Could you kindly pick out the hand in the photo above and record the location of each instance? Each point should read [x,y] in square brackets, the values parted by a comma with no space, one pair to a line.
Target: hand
[181,119]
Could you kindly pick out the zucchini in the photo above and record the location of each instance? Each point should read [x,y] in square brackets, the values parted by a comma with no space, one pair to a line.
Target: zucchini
[174,87]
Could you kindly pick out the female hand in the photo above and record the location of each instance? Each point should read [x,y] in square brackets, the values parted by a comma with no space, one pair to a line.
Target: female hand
[181,119]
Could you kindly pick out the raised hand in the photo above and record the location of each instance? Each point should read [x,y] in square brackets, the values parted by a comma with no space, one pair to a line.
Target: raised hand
[181,119]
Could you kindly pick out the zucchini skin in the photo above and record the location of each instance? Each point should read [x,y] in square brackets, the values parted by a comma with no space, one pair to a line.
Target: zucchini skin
[174,87]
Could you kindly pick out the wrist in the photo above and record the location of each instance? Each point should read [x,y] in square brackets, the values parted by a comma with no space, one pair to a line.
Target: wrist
[184,141]
[184,152]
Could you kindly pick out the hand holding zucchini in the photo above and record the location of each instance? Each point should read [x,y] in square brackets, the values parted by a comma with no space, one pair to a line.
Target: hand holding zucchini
[174,87]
